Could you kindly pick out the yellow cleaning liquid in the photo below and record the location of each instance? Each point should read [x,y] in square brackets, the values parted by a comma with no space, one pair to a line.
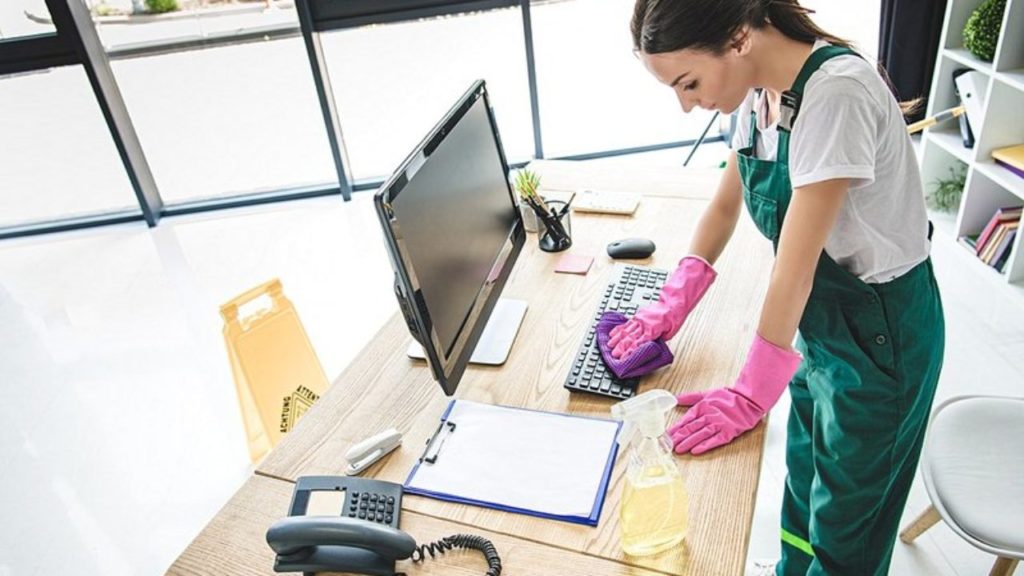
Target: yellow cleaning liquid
[653,512]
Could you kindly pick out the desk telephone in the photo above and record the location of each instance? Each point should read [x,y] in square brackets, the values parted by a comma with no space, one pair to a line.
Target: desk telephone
[345,524]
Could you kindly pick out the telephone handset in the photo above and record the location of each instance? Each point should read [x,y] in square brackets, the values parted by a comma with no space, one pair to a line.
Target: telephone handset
[325,543]
[346,524]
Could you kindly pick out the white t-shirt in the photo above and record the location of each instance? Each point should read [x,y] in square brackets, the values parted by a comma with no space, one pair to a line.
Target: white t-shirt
[850,126]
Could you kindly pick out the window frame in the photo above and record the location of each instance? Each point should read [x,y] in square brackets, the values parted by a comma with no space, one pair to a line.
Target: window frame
[76,42]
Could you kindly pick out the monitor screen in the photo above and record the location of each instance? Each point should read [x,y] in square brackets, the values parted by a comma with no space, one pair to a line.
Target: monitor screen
[453,233]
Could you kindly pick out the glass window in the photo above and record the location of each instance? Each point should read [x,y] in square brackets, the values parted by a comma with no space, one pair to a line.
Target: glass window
[226,121]
[227,118]
[393,82]
[125,24]
[19,18]
[594,94]
[57,157]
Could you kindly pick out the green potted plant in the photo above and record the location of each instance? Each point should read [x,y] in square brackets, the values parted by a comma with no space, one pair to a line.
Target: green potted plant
[945,193]
[981,33]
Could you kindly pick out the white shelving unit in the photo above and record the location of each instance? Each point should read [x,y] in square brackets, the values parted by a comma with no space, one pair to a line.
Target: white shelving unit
[988,186]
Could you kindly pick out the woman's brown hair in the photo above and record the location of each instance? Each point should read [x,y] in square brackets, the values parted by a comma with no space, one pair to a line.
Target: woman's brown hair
[660,26]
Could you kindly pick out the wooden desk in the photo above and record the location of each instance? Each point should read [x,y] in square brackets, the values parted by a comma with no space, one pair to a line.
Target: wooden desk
[382,388]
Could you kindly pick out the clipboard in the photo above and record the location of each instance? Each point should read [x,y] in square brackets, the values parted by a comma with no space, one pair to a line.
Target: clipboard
[543,464]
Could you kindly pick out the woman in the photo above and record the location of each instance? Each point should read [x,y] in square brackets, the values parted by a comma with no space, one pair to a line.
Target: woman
[827,172]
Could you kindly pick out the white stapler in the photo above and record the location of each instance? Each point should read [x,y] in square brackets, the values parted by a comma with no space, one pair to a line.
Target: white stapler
[365,453]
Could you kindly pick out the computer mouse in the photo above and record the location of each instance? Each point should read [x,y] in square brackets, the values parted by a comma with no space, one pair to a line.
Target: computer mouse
[631,248]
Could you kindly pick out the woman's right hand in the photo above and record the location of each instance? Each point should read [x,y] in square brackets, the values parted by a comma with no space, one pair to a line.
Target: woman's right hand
[643,327]
[663,319]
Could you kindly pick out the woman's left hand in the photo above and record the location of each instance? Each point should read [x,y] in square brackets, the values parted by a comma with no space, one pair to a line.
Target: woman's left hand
[718,416]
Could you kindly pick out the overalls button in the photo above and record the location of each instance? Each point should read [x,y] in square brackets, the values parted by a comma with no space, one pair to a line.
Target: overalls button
[880,339]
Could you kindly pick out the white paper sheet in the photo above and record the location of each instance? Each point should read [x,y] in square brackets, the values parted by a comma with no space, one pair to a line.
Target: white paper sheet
[538,461]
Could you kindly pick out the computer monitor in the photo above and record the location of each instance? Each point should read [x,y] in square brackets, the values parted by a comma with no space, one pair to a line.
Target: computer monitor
[453,233]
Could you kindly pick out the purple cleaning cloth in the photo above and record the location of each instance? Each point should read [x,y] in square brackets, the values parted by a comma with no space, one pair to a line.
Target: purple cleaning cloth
[647,358]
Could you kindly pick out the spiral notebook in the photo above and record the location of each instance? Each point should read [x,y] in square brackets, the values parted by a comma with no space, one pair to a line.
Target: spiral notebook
[524,461]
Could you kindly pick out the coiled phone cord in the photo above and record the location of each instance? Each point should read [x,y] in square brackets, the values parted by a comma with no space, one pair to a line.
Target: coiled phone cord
[462,541]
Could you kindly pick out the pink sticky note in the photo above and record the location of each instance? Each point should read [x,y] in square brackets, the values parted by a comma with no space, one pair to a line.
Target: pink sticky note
[574,264]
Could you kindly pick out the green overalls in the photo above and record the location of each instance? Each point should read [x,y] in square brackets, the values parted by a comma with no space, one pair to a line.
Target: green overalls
[861,398]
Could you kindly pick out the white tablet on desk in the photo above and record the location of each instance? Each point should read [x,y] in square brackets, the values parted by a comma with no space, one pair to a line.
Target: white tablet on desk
[606,202]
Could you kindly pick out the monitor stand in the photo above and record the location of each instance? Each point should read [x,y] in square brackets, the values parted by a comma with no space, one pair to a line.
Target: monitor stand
[496,340]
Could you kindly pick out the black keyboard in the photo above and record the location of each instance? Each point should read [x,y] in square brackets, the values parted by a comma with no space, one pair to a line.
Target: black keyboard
[631,287]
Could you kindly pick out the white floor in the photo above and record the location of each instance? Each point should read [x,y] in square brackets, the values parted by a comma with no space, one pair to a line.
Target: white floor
[122,435]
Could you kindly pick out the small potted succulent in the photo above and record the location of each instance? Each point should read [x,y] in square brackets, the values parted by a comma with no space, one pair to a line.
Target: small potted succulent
[550,218]
[527,183]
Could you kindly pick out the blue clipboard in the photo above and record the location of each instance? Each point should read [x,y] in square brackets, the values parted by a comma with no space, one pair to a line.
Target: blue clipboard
[481,455]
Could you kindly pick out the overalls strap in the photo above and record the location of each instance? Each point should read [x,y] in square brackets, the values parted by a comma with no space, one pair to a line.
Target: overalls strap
[791,99]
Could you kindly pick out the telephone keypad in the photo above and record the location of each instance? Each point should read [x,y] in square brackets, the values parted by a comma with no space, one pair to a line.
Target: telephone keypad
[367,499]
[373,507]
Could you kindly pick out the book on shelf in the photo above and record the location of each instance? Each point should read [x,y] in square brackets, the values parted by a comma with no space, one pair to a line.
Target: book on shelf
[999,261]
[1016,171]
[1003,215]
[993,243]
[1000,243]
[1011,157]
[969,241]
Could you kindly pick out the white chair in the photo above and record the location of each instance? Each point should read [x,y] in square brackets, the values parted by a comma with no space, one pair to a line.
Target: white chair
[973,468]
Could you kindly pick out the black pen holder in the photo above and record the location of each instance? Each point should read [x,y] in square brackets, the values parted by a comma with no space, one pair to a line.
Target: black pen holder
[554,228]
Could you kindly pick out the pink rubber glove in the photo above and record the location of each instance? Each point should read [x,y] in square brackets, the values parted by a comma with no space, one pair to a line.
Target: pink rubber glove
[720,415]
[662,319]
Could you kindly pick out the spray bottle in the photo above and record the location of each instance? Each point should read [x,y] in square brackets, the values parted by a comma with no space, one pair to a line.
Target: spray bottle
[653,511]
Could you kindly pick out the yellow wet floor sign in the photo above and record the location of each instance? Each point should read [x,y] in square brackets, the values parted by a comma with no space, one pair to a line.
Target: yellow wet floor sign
[277,374]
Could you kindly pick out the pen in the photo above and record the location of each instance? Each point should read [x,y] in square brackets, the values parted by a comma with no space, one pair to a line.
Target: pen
[540,212]
[540,201]
[565,209]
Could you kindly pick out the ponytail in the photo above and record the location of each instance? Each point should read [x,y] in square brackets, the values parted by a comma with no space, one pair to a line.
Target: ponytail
[794,21]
